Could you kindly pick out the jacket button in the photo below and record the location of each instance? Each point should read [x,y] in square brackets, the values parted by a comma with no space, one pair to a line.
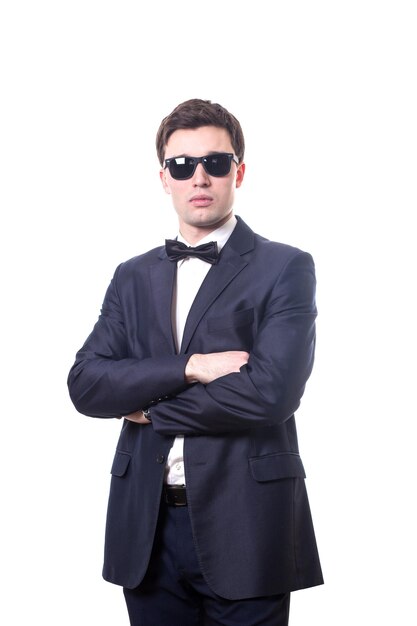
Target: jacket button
[160,458]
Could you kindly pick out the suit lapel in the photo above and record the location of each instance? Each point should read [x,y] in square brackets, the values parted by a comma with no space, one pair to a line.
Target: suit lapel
[218,278]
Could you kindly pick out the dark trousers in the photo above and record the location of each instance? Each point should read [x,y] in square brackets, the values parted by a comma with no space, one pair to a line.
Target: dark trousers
[174,593]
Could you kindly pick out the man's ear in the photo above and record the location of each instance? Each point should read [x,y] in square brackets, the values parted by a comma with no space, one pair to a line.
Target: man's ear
[240,173]
[163,177]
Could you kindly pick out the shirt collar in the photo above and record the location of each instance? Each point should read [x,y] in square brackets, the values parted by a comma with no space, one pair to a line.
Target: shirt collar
[220,235]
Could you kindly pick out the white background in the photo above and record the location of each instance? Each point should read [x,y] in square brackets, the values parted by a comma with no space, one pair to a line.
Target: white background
[326,94]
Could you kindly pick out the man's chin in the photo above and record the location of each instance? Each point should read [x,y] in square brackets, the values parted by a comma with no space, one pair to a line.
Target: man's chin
[205,219]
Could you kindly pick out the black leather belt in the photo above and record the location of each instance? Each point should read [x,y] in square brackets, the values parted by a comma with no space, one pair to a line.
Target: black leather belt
[175,495]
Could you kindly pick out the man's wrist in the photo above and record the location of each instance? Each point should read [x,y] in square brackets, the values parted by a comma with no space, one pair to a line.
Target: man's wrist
[190,371]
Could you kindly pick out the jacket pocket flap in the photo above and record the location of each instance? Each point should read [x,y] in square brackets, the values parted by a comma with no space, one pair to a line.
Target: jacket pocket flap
[120,463]
[277,466]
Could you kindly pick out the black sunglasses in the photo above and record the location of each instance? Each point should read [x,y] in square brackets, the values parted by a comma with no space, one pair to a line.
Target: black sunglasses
[183,167]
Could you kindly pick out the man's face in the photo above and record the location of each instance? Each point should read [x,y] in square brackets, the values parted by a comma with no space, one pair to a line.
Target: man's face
[202,202]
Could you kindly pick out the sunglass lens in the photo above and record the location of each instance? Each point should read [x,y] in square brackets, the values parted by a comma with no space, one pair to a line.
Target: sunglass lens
[181,167]
[217,164]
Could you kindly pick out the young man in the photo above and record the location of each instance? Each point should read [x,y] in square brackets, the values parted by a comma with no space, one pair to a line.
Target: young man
[204,346]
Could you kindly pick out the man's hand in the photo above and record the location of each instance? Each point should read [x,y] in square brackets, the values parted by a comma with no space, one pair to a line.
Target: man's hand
[204,368]
[137,417]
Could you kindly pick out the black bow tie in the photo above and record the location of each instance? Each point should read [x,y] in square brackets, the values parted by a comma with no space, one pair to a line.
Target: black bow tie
[176,250]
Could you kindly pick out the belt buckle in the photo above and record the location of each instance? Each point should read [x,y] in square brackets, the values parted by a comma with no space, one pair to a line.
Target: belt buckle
[175,495]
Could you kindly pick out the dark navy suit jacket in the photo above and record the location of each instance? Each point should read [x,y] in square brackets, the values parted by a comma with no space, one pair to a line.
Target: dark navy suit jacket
[245,479]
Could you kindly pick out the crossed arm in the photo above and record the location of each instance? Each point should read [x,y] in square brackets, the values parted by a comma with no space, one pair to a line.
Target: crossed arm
[205,393]
[204,368]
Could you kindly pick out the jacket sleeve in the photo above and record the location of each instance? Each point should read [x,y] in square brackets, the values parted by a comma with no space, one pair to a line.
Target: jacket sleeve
[269,387]
[105,381]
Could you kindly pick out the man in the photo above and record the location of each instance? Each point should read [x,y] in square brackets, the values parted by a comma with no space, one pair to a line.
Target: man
[205,349]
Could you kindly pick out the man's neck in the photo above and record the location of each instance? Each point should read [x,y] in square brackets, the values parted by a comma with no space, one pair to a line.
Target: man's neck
[194,234]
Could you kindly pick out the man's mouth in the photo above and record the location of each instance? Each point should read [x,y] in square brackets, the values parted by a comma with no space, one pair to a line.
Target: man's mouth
[201,200]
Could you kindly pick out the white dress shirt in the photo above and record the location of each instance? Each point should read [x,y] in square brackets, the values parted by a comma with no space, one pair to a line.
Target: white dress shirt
[190,274]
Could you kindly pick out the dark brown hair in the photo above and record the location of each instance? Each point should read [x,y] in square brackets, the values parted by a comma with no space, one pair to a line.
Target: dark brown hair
[194,114]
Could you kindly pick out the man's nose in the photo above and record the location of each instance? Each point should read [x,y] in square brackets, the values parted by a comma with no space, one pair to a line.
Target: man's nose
[200,177]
